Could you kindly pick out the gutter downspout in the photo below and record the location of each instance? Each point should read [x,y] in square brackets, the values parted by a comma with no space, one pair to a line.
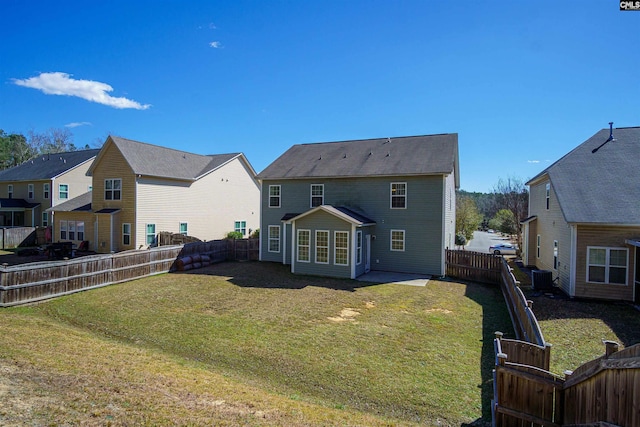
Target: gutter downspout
[573,261]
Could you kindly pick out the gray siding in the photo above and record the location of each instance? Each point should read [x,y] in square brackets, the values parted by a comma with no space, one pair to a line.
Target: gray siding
[422,220]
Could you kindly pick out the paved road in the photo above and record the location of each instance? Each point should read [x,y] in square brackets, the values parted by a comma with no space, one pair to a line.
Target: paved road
[482,240]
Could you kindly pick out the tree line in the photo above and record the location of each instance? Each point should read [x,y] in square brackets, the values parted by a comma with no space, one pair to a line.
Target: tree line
[17,148]
[502,210]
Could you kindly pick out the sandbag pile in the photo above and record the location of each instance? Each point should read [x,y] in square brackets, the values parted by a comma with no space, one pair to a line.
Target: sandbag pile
[192,262]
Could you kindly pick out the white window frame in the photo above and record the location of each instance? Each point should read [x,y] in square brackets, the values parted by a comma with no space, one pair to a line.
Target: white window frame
[337,241]
[80,230]
[358,247]
[10,191]
[147,235]
[240,226]
[63,230]
[45,219]
[555,254]
[300,246]
[393,240]
[324,249]
[547,189]
[45,190]
[393,188]
[273,239]
[110,188]
[274,197]
[126,234]
[184,232]
[538,240]
[63,195]
[71,233]
[315,195]
[30,192]
[607,265]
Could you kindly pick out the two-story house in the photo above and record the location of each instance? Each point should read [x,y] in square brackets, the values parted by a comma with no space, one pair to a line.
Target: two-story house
[343,208]
[29,189]
[584,218]
[140,190]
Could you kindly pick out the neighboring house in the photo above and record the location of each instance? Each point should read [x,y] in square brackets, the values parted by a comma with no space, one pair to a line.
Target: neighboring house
[140,190]
[343,208]
[584,223]
[29,189]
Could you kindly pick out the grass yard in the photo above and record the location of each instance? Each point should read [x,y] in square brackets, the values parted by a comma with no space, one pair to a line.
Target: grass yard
[250,344]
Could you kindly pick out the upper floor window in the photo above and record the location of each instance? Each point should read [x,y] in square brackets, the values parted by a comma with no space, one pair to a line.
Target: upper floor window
[398,195]
[607,265]
[10,191]
[547,193]
[274,196]
[45,190]
[112,189]
[63,191]
[317,195]
[30,194]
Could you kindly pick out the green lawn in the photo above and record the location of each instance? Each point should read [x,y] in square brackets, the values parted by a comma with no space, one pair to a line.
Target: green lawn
[251,344]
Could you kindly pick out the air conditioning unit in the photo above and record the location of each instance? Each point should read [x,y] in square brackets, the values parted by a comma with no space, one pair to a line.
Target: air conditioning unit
[541,280]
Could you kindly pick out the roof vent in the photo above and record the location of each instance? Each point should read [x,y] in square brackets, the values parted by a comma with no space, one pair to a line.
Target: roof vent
[610,139]
[345,156]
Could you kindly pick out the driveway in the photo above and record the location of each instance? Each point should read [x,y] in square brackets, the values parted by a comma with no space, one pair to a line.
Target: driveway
[482,240]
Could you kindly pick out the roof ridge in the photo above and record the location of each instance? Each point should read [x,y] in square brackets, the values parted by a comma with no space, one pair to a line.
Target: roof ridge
[378,139]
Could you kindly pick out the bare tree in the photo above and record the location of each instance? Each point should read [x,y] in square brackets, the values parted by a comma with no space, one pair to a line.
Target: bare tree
[53,140]
[512,194]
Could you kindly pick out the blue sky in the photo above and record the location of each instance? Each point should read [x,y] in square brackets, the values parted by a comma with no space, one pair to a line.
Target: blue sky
[521,82]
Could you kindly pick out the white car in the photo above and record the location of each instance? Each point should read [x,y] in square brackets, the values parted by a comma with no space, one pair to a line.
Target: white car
[502,249]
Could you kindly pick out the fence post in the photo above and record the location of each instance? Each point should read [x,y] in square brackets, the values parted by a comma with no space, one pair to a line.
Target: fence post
[610,347]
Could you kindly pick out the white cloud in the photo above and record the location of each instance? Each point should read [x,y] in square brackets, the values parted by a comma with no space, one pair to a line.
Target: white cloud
[62,84]
[212,26]
[78,124]
[215,45]
[533,161]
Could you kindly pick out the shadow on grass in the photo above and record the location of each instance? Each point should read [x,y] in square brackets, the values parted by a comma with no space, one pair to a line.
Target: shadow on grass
[495,317]
[272,275]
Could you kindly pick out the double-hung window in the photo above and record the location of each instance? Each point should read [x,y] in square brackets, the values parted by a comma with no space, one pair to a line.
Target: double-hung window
[322,247]
[45,219]
[359,247]
[126,234]
[547,189]
[30,192]
[397,240]
[607,265]
[398,195]
[341,248]
[63,230]
[274,238]
[274,196]
[63,191]
[151,234]
[241,227]
[45,190]
[10,191]
[72,230]
[317,195]
[113,189]
[183,228]
[304,245]
[80,230]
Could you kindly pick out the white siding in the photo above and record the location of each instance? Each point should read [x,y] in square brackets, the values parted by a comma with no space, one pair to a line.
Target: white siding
[209,206]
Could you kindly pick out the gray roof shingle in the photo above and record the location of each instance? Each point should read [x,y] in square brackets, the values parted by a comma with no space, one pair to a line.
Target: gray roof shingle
[153,160]
[79,203]
[409,155]
[601,187]
[47,166]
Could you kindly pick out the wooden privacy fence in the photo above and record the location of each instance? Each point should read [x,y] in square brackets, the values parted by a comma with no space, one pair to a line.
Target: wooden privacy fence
[473,266]
[14,237]
[25,283]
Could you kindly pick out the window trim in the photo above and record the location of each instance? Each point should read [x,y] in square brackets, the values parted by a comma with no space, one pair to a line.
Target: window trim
[607,265]
[547,189]
[538,241]
[300,246]
[273,239]
[403,196]
[63,229]
[238,226]
[186,228]
[358,247]
[391,240]
[555,254]
[31,192]
[113,190]
[278,197]
[336,247]
[147,235]
[10,191]
[45,219]
[126,234]
[45,190]
[312,196]
[318,246]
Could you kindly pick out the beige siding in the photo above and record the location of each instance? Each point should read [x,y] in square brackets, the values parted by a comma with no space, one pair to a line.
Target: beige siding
[86,217]
[112,165]
[210,206]
[550,225]
[611,237]
[76,179]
